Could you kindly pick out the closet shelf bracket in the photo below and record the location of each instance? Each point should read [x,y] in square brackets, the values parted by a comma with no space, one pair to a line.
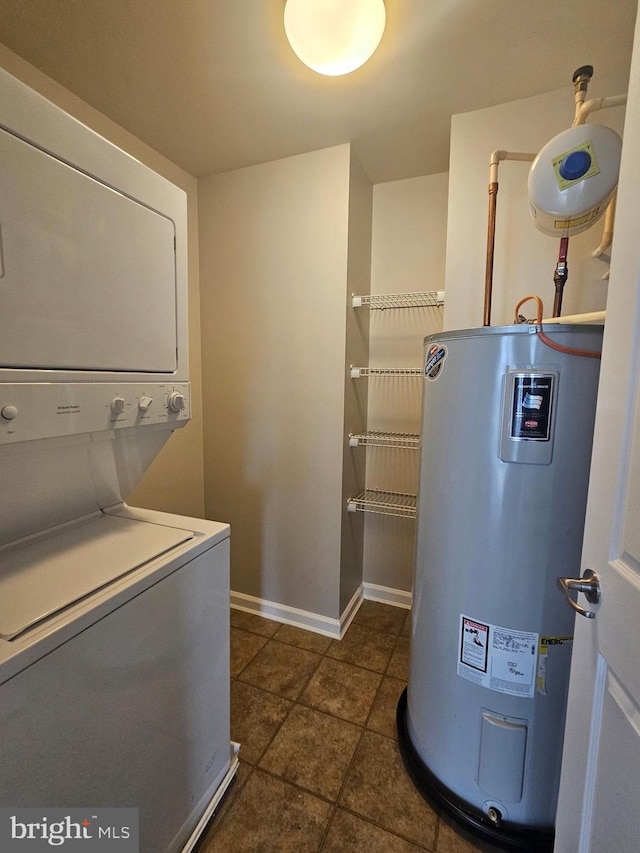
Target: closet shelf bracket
[375,438]
[382,301]
[384,503]
[366,372]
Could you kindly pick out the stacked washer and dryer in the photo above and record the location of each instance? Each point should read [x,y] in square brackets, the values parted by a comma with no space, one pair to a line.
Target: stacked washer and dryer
[114,621]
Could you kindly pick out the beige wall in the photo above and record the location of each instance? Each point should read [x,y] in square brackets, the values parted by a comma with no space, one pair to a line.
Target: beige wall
[174,482]
[525,259]
[408,254]
[274,251]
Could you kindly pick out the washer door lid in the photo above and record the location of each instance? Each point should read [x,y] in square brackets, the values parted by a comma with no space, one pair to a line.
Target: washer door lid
[42,577]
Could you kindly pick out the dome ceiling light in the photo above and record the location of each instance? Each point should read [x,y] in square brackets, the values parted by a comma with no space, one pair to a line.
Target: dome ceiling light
[334,37]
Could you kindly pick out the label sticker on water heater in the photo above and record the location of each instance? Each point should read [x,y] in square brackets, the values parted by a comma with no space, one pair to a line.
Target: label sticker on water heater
[474,645]
[531,403]
[529,411]
[434,361]
[502,659]
[547,643]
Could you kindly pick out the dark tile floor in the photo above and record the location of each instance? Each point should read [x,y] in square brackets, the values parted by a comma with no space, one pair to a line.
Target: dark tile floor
[319,764]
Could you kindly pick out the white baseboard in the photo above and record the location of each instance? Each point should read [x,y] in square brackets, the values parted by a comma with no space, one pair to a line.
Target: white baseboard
[387,595]
[287,615]
[350,610]
[315,622]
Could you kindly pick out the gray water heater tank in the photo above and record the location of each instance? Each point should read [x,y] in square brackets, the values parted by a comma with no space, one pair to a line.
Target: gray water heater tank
[507,427]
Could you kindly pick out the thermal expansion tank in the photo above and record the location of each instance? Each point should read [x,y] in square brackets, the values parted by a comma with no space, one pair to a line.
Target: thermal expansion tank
[507,426]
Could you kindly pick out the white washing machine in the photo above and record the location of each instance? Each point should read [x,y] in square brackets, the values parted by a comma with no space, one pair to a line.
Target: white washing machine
[114,621]
[118,696]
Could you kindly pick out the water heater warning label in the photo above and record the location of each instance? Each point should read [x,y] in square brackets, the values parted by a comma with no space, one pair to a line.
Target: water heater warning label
[531,400]
[474,647]
[501,659]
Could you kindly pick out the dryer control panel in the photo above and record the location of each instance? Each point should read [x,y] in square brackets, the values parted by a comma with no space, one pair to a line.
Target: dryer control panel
[34,410]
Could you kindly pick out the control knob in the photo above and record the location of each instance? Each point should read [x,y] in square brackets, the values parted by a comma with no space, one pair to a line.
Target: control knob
[9,412]
[144,403]
[117,405]
[175,402]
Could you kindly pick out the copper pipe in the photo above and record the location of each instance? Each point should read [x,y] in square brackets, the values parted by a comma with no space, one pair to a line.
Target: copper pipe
[494,162]
[491,241]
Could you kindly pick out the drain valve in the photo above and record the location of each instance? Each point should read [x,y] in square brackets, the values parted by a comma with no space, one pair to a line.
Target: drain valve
[494,815]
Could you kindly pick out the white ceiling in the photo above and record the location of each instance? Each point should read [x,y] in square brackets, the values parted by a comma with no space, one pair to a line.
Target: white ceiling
[214,85]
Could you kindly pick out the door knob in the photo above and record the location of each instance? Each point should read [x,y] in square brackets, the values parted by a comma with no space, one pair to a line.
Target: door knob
[588,585]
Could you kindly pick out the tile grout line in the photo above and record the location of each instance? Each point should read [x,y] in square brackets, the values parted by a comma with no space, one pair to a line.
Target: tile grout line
[294,702]
[334,803]
[364,729]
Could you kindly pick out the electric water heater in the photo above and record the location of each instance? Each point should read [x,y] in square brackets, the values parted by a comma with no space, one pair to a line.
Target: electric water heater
[507,426]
